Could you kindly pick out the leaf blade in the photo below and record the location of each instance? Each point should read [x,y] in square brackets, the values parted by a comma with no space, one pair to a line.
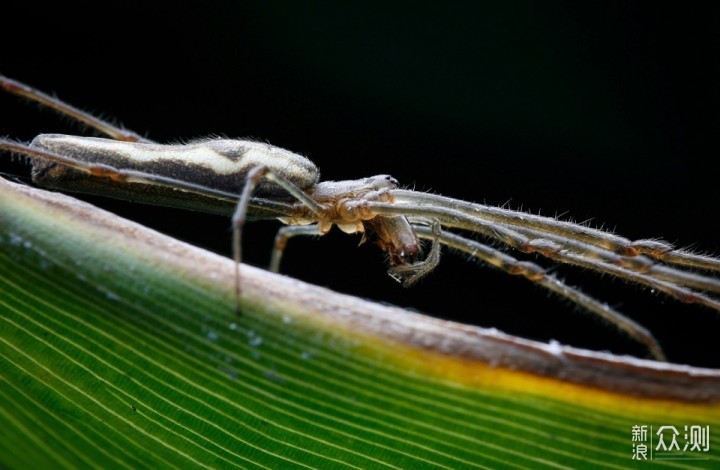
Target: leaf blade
[126,340]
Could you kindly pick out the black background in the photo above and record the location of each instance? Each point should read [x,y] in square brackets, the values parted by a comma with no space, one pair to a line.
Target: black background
[606,112]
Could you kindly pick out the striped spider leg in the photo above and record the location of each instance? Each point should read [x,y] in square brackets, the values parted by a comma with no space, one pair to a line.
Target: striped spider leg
[258,181]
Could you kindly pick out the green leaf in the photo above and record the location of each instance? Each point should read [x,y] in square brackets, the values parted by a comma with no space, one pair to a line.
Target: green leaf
[119,347]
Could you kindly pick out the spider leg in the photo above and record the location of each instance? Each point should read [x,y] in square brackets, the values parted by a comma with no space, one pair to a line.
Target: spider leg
[679,292]
[285,233]
[537,274]
[240,216]
[547,248]
[593,256]
[653,248]
[20,89]
[640,263]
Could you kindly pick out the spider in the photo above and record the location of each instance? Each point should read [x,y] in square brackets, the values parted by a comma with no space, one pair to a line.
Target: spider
[253,180]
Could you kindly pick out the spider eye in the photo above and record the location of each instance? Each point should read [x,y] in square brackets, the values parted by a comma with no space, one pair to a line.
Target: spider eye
[391,179]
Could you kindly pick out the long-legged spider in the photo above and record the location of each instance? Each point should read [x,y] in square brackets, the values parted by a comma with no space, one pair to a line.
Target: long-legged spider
[253,180]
